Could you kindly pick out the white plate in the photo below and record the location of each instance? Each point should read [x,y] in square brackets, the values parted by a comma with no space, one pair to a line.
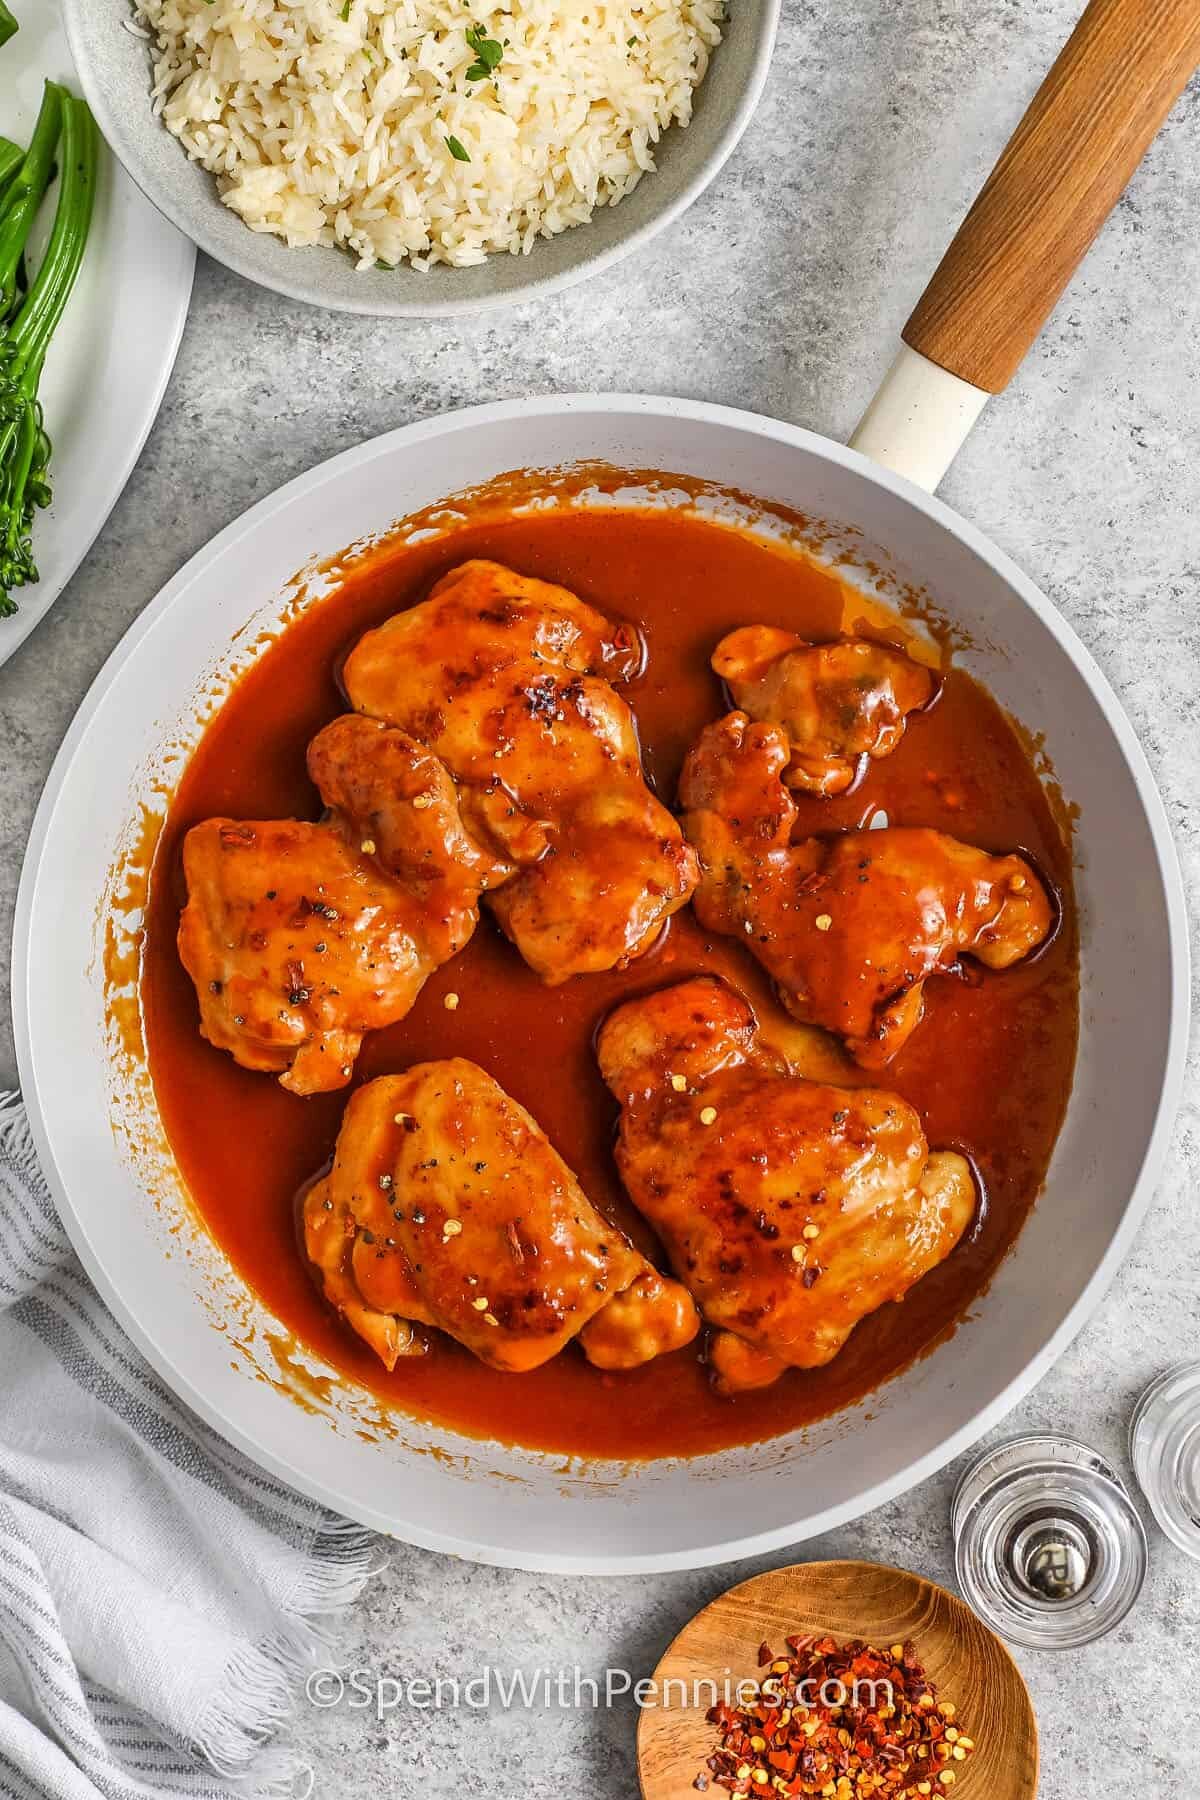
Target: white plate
[110,358]
[95,1122]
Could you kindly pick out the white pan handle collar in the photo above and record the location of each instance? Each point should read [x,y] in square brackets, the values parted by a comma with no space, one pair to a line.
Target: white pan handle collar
[919,419]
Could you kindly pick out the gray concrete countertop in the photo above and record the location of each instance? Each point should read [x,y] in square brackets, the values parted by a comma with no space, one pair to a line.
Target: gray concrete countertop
[783,291]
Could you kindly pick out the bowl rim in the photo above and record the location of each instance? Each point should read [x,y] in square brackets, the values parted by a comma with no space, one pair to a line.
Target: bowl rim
[160,192]
[1177,949]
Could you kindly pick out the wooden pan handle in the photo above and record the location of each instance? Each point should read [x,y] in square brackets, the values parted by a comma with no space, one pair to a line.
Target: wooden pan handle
[1093,118]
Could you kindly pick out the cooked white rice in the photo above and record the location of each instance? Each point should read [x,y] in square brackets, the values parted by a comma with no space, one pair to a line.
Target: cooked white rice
[329,123]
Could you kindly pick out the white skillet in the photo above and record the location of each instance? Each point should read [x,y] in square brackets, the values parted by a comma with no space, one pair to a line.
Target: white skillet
[93,1113]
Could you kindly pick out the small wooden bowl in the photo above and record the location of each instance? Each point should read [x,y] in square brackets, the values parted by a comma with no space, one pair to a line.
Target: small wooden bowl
[844,1600]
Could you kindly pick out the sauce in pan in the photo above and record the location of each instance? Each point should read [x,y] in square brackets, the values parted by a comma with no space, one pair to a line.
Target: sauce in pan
[989,1070]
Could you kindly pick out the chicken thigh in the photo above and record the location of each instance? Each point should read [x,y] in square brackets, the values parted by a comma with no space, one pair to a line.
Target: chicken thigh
[447,1206]
[851,926]
[508,680]
[790,1209]
[301,938]
[837,702]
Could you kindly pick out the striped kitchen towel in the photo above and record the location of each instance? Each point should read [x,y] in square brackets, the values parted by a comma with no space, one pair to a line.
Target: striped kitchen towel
[160,1597]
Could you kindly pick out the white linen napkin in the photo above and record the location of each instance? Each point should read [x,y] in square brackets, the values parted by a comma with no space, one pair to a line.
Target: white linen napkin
[160,1597]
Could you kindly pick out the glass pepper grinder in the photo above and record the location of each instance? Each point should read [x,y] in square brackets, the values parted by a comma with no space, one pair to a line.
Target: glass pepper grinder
[1164,1446]
[1049,1547]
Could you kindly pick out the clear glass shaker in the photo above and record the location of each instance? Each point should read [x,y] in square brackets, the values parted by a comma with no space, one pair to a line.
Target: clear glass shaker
[1049,1547]
[1164,1445]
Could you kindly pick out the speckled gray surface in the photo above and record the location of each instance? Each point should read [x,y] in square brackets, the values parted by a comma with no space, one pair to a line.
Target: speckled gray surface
[782,291]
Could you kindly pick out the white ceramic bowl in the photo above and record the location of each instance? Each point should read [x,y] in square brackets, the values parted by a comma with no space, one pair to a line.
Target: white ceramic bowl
[114,71]
[93,1112]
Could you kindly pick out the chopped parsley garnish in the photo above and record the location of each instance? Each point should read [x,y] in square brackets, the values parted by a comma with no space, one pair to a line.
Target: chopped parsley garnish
[346,12]
[630,42]
[488,52]
[457,151]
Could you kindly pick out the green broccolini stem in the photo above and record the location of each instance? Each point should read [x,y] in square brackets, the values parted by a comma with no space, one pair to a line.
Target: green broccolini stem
[26,190]
[11,158]
[35,323]
[22,463]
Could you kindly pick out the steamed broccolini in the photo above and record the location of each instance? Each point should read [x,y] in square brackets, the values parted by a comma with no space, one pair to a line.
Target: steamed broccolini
[65,130]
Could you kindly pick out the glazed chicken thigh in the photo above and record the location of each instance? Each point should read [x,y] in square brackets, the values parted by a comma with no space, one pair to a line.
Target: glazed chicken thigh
[447,1206]
[837,702]
[508,680]
[851,926]
[301,938]
[790,1209]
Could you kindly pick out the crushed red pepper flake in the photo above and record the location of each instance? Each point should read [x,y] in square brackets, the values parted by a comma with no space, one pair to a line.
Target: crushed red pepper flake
[846,1721]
